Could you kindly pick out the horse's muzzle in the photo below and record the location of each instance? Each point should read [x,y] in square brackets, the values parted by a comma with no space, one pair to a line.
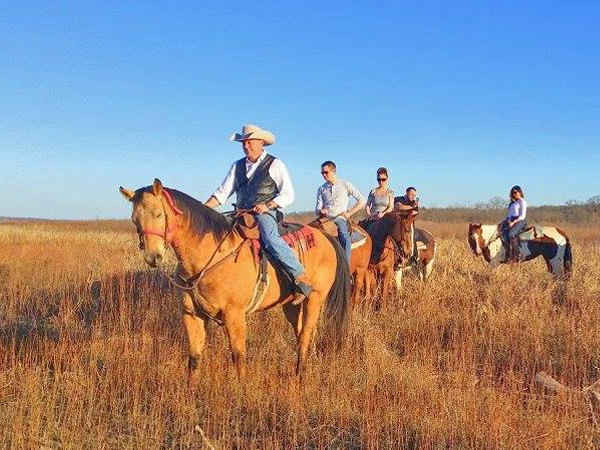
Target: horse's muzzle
[154,260]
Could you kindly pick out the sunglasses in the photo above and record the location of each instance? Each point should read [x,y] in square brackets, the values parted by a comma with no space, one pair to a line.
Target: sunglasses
[324,172]
[381,179]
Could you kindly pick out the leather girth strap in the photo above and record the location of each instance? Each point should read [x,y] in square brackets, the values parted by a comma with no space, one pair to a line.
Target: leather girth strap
[261,286]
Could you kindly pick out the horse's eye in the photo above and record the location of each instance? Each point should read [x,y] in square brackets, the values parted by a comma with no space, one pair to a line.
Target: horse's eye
[158,214]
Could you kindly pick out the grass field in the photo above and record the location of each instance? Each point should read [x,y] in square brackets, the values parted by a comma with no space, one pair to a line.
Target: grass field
[93,355]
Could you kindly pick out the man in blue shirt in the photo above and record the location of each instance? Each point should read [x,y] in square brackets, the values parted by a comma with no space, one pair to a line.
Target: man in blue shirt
[333,198]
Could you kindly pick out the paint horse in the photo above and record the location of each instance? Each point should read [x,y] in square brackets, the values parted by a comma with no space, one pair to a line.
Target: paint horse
[218,274]
[393,246]
[362,246]
[426,247]
[549,242]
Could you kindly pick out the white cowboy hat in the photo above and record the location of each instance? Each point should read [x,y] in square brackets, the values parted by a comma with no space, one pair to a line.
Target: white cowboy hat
[253,132]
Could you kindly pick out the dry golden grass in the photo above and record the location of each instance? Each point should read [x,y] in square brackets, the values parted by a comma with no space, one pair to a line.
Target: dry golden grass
[92,355]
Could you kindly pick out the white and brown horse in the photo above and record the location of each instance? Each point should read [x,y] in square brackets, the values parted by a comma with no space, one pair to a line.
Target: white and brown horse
[426,251]
[549,242]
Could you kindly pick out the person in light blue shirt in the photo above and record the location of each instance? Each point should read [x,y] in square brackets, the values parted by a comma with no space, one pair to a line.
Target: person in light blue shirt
[333,199]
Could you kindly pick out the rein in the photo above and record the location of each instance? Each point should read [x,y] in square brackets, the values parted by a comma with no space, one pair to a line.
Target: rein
[191,283]
[166,234]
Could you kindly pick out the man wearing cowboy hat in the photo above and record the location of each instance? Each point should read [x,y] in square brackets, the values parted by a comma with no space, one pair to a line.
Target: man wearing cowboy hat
[262,184]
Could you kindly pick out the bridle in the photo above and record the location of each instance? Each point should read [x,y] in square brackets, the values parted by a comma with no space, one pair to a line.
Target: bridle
[398,244]
[167,233]
[485,248]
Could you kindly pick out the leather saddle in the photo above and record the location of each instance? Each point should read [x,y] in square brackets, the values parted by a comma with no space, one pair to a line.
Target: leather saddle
[328,226]
[247,226]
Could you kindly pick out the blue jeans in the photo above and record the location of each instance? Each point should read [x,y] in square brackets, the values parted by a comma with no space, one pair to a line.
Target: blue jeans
[276,246]
[344,236]
[508,233]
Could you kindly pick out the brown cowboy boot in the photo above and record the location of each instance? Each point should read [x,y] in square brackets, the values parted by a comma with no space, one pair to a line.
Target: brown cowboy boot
[303,289]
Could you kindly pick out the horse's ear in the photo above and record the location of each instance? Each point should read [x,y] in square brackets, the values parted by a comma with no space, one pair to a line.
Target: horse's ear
[127,193]
[157,187]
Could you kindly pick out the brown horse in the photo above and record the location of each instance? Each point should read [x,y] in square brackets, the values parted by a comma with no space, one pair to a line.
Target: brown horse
[359,258]
[219,273]
[394,230]
[383,269]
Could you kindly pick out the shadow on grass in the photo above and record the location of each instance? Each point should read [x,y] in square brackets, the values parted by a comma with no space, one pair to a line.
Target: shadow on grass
[74,313]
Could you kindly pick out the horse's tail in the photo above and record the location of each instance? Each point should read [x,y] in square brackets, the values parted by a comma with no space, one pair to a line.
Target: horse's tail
[337,307]
[568,260]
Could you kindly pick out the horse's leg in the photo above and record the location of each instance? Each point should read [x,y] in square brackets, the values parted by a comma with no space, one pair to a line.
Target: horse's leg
[293,315]
[378,288]
[360,284]
[398,279]
[420,269]
[555,266]
[369,275]
[195,327]
[427,270]
[312,309]
[235,325]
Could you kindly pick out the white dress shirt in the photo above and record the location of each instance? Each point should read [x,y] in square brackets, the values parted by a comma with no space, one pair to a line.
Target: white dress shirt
[277,171]
[335,197]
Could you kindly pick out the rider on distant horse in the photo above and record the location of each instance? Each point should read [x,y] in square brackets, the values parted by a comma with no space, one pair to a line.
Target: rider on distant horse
[515,221]
[407,202]
[262,184]
[332,202]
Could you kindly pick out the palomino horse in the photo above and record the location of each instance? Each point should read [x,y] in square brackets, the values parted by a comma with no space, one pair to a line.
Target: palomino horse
[549,242]
[219,272]
[393,231]
[359,258]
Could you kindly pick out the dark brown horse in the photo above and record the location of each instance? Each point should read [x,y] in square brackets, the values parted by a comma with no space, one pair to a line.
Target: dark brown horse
[359,258]
[395,229]
[222,263]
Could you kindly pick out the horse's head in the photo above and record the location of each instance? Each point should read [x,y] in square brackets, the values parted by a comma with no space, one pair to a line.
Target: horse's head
[154,217]
[402,230]
[474,237]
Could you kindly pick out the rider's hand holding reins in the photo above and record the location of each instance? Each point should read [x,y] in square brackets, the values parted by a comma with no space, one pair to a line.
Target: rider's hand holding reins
[260,208]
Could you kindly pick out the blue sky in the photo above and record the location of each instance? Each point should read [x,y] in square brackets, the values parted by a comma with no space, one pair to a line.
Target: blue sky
[461,98]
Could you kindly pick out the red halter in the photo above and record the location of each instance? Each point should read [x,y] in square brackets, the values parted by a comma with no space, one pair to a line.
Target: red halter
[166,234]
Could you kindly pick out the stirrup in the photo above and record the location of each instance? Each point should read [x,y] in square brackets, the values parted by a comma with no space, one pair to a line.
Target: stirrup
[299,297]
[303,290]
